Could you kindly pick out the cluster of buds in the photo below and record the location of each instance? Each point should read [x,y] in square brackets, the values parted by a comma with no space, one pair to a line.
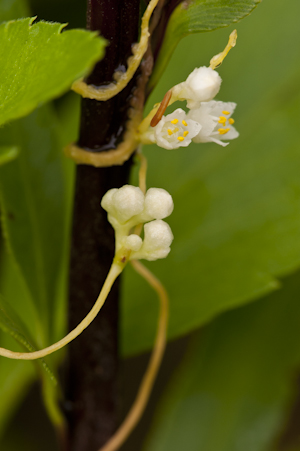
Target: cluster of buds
[127,207]
[207,120]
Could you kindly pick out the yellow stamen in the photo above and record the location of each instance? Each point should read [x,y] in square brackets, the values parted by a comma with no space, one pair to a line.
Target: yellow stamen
[174,121]
[185,133]
[170,132]
[180,138]
[222,131]
[217,60]
[231,121]
[225,112]
[184,123]
[222,120]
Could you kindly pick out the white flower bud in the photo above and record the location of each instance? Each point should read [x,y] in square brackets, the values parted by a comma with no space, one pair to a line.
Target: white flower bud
[127,207]
[107,200]
[133,242]
[123,203]
[158,204]
[128,202]
[157,240]
[202,85]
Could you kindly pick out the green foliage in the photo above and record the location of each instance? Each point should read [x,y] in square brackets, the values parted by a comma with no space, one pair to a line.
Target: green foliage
[8,153]
[231,391]
[37,64]
[12,9]
[33,221]
[15,376]
[195,17]
[236,220]
[15,379]
[11,323]
[32,204]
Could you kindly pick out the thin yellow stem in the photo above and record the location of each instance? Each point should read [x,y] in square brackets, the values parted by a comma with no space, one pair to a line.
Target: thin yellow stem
[217,60]
[142,183]
[114,272]
[109,91]
[112,157]
[144,391]
[142,171]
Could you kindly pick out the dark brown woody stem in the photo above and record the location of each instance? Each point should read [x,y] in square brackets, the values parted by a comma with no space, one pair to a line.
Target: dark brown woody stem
[92,377]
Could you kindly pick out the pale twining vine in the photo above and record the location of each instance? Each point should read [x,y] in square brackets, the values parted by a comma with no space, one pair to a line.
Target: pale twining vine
[131,209]
[129,206]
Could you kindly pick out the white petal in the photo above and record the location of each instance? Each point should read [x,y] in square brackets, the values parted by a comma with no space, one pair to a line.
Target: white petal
[209,115]
[183,124]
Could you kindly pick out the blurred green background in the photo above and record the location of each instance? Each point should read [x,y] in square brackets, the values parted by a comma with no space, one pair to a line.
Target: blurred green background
[237,240]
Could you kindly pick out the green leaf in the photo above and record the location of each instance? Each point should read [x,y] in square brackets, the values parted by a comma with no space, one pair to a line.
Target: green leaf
[15,376]
[33,208]
[233,390]
[198,16]
[8,153]
[13,325]
[13,9]
[38,63]
[32,196]
[236,220]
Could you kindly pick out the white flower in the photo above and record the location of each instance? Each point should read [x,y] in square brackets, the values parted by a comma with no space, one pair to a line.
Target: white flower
[128,207]
[202,85]
[216,122]
[173,131]
[157,241]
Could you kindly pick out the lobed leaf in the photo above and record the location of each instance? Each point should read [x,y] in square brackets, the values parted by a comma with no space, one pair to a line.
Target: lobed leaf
[38,65]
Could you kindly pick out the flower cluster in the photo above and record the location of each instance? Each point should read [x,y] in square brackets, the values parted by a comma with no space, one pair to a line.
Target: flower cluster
[128,207]
[206,121]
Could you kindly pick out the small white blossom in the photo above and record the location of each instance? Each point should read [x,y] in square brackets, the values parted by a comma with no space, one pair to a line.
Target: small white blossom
[216,122]
[157,241]
[202,85]
[128,207]
[173,131]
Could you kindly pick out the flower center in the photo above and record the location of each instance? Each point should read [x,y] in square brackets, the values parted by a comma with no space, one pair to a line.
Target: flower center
[176,129]
[223,120]
[222,131]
